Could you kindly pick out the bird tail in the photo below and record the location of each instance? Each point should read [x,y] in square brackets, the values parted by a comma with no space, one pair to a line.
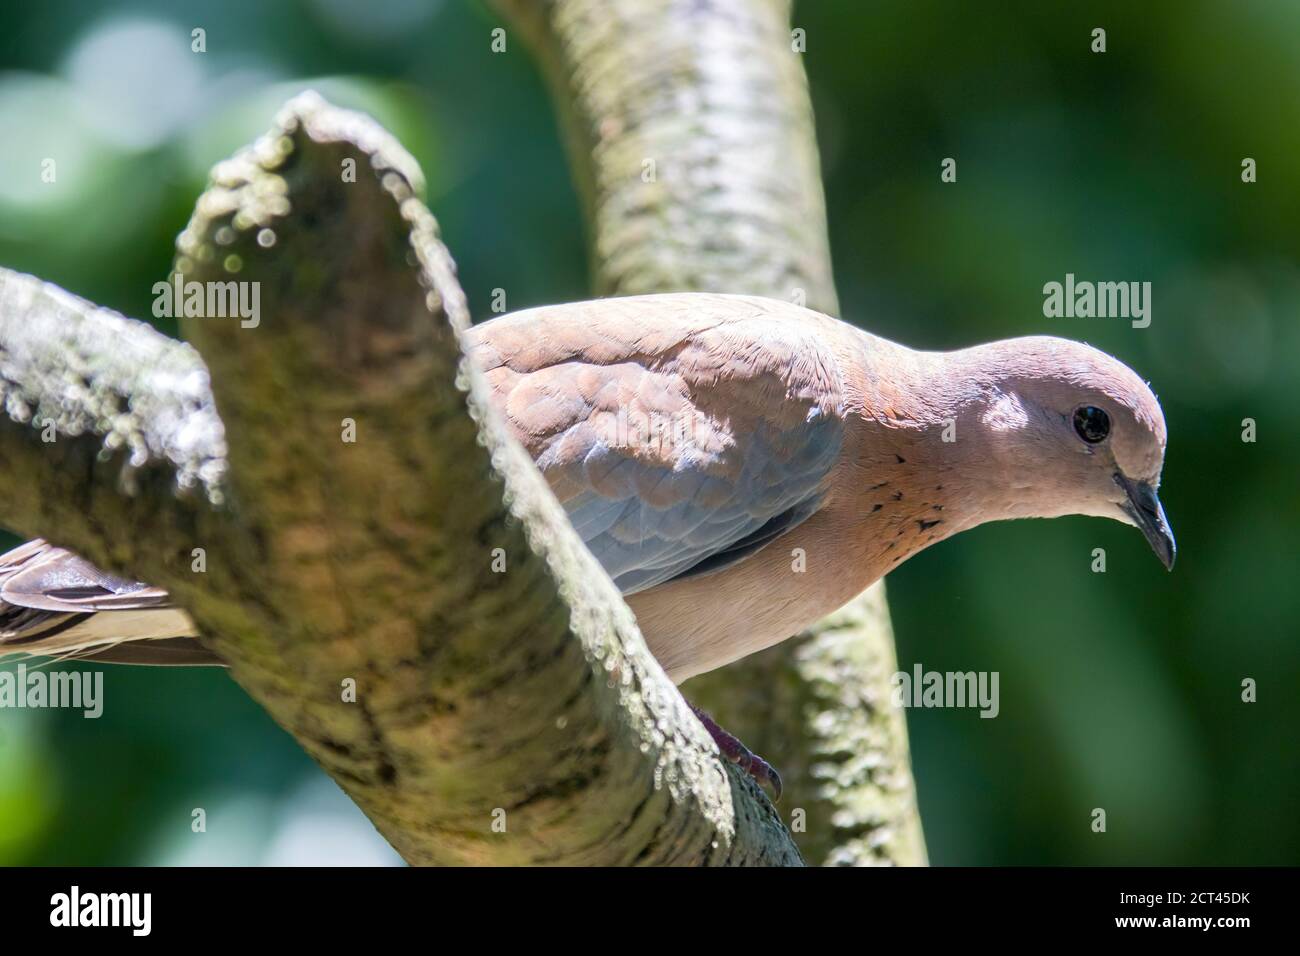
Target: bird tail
[55,604]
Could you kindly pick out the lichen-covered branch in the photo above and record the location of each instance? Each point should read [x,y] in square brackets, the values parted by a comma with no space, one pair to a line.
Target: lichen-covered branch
[385,571]
[104,444]
[691,133]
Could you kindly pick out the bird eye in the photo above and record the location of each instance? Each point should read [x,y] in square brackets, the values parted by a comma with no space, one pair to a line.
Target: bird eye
[1091,424]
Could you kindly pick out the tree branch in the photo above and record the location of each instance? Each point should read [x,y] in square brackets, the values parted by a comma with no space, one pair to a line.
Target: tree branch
[106,444]
[691,134]
[350,584]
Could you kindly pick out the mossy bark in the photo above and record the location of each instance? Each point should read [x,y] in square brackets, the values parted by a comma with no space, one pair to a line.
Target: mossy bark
[690,130]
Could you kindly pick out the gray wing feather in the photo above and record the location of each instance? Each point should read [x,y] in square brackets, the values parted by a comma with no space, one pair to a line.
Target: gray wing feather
[750,404]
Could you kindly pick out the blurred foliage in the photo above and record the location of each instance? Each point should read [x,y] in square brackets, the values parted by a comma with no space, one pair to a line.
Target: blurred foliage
[1119,690]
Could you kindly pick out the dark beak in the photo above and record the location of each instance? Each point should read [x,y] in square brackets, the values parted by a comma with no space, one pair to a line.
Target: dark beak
[1147,513]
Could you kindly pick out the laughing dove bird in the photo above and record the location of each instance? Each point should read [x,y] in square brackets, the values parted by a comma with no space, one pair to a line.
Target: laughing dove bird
[739,466]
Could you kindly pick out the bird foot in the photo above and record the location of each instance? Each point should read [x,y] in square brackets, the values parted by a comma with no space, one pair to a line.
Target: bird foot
[764,773]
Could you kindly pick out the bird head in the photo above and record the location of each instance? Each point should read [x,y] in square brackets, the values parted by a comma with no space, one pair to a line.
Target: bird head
[1075,431]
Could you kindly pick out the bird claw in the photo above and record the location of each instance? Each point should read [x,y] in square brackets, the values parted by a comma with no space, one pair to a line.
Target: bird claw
[763,773]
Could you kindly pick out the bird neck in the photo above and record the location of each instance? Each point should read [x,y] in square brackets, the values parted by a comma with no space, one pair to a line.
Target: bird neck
[934,439]
[914,393]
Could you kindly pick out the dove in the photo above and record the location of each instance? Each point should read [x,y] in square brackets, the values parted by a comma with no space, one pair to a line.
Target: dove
[739,466]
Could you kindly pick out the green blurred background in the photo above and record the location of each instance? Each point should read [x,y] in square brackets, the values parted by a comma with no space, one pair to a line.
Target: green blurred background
[1119,690]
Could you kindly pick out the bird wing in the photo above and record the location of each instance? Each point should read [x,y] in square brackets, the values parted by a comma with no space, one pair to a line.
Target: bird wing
[39,576]
[680,433]
[49,604]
